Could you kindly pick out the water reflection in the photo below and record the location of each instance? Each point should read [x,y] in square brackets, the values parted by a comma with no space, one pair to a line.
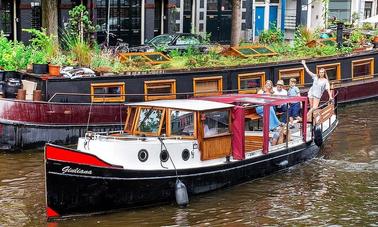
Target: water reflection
[338,188]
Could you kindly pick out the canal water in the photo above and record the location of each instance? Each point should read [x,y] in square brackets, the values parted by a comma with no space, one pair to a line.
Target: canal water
[339,188]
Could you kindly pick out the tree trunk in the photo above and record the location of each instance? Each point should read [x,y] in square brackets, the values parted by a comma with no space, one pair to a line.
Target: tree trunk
[236,23]
[50,16]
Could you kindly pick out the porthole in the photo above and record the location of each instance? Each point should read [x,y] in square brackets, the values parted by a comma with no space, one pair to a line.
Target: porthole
[185,155]
[143,155]
[164,155]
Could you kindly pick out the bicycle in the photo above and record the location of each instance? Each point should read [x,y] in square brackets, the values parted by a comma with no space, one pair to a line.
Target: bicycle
[120,46]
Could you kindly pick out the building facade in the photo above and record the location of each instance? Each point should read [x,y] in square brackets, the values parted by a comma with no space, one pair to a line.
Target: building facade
[135,21]
[344,9]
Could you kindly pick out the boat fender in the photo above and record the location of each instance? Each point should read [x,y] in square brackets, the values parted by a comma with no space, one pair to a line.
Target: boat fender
[318,136]
[283,163]
[181,194]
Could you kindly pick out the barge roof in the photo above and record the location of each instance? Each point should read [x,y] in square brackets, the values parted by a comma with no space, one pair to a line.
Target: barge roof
[185,104]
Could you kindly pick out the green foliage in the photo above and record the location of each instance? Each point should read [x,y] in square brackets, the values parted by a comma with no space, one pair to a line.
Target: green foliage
[302,36]
[367,26]
[79,23]
[13,55]
[79,50]
[273,35]
[41,42]
[357,37]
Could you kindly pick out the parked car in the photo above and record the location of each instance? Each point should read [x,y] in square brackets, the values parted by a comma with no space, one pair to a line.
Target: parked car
[168,42]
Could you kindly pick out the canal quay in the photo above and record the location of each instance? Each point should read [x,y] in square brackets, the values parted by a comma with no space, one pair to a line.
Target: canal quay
[339,188]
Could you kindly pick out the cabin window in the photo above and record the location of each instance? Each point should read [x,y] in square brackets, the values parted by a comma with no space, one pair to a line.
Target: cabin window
[250,82]
[108,92]
[362,68]
[207,86]
[215,123]
[287,74]
[182,123]
[149,120]
[160,89]
[332,70]
[131,112]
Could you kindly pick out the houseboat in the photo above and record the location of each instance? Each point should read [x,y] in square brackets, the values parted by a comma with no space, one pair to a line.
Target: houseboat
[62,114]
[206,144]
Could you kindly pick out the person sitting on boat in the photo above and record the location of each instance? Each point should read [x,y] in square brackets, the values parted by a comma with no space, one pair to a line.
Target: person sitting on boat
[280,90]
[280,135]
[267,89]
[319,85]
[294,108]
[273,120]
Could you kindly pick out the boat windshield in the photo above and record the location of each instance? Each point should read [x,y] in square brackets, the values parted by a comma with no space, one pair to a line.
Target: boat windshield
[149,120]
[182,123]
[216,123]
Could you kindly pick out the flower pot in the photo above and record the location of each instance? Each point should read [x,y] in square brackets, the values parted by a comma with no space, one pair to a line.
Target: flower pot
[54,70]
[40,68]
[375,39]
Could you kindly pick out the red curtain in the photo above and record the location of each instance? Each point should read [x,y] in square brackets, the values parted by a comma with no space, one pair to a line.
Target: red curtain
[238,137]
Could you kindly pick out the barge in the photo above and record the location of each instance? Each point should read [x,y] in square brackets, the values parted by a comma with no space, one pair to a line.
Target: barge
[205,143]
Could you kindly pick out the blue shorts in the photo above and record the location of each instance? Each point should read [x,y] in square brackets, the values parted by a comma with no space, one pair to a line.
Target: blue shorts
[294,109]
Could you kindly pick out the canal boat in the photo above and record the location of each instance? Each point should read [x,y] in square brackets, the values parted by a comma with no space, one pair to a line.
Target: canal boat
[206,144]
[61,115]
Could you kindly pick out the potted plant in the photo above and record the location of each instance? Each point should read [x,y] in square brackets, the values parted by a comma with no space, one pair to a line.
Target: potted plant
[39,61]
[55,64]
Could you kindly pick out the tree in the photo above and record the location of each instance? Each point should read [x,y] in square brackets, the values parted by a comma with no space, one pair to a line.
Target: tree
[50,17]
[235,23]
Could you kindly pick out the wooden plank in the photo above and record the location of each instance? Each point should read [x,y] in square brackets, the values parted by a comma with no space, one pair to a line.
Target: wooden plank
[216,147]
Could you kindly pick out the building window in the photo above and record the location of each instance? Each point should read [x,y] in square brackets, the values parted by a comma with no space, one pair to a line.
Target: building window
[362,68]
[250,82]
[341,9]
[159,89]
[333,71]
[368,9]
[212,5]
[207,86]
[6,15]
[201,15]
[36,20]
[297,73]
[108,92]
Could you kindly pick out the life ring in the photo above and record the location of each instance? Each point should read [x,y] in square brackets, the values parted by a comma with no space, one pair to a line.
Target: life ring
[318,136]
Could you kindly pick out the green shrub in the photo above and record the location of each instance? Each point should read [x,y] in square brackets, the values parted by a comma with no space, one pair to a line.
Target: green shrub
[273,35]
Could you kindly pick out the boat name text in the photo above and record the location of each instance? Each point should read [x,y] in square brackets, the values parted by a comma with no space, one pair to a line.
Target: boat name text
[68,169]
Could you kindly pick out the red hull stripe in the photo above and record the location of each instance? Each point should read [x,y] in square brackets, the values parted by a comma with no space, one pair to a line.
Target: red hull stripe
[66,155]
[51,213]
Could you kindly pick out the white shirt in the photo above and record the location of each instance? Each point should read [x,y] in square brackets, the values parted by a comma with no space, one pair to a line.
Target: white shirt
[282,92]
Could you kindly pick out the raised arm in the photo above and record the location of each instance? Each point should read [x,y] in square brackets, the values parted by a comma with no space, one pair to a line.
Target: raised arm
[307,70]
[328,88]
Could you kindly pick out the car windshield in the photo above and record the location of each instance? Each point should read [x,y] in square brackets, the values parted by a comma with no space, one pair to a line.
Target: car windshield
[161,40]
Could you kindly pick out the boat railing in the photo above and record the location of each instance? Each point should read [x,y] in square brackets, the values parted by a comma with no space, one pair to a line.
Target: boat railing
[322,106]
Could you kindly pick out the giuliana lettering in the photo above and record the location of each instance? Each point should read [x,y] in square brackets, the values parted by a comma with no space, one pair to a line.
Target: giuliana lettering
[68,169]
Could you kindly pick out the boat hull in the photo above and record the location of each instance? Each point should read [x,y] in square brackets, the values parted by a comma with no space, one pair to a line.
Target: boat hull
[28,124]
[77,188]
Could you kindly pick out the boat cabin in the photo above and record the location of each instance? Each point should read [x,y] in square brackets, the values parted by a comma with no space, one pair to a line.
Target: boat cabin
[205,121]
[197,132]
